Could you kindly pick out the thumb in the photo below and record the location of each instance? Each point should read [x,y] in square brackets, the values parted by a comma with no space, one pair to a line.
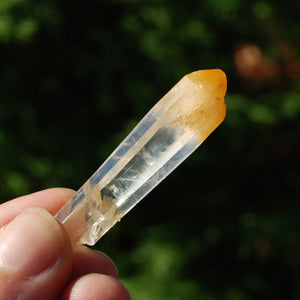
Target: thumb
[35,257]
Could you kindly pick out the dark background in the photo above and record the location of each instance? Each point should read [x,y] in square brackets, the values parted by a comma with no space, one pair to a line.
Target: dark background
[76,76]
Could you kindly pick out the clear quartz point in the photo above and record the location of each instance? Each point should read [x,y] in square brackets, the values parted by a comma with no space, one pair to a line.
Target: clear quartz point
[165,137]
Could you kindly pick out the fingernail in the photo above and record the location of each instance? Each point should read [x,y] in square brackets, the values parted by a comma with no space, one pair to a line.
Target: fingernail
[30,243]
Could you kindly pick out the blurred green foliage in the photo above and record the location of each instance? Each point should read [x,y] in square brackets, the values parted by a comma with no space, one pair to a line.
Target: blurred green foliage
[76,77]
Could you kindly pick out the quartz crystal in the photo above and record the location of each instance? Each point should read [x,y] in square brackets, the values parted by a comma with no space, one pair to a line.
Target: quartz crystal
[165,137]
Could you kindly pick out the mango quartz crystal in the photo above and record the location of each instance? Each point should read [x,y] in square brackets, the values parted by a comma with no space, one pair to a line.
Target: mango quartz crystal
[165,137]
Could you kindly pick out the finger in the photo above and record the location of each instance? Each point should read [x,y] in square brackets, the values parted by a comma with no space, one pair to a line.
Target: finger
[96,287]
[87,261]
[51,200]
[35,257]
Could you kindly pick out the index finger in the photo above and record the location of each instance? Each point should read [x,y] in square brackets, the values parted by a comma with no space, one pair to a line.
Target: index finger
[51,200]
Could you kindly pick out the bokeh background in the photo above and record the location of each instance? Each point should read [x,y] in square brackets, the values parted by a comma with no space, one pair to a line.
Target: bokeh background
[76,76]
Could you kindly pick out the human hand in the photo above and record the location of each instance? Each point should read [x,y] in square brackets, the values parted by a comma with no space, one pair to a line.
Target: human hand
[37,260]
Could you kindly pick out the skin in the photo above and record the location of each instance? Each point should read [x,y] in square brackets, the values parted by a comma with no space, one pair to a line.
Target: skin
[37,260]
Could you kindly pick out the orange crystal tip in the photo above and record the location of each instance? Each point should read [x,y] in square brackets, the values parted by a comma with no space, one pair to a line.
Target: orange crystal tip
[202,108]
[214,80]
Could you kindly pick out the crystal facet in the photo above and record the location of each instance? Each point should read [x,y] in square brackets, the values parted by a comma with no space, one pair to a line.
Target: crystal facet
[165,137]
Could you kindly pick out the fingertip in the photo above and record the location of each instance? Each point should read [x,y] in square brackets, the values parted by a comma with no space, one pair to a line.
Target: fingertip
[96,287]
[87,260]
[35,254]
[31,242]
